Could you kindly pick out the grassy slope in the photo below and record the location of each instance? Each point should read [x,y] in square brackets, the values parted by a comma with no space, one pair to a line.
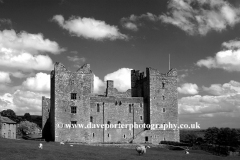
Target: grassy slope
[23,150]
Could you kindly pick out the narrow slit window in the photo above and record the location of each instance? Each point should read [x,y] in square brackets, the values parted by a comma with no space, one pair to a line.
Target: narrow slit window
[164,110]
[163,85]
[163,97]
[91,119]
[141,117]
[98,107]
[130,108]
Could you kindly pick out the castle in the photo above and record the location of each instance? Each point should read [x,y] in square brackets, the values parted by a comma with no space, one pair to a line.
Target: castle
[152,99]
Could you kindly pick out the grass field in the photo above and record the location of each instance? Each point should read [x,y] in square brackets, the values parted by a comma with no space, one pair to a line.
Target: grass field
[26,149]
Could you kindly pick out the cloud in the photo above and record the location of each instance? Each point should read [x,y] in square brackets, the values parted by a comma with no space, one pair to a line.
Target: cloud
[121,78]
[5,21]
[209,104]
[130,26]
[133,22]
[201,16]
[41,82]
[24,51]
[225,100]
[4,77]
[89,28]
[228,60]
[26,42]
[13,59]
[188,88]
[231,88]
[22,102]
[232,44]
[76,60]
[99,85]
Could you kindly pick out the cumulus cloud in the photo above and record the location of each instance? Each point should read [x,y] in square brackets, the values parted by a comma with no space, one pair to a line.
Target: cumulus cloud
[133,22]
[227,59]
[231,88]
[26,42]
[89,28]
[22,102]
[209,104]
[4,77]
[225,100]
[121,78]
[24,51]
[188,88]
[41,82]
[99,85]
[201,16]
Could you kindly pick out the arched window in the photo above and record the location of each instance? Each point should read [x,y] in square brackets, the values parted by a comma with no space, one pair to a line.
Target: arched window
[108,122]
[91,119]
[120,103]
[108,134]
[119,122]
[116,103]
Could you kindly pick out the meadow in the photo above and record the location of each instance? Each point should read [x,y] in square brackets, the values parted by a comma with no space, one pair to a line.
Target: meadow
[28,149]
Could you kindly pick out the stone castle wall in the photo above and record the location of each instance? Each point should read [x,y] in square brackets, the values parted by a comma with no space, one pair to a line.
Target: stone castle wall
[143,103]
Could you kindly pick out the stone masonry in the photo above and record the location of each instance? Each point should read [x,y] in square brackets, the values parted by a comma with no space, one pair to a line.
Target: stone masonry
[152,99]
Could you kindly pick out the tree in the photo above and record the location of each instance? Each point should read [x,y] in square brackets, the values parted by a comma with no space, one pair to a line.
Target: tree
[26,127]
[27,117]
[10,114]
[211,135]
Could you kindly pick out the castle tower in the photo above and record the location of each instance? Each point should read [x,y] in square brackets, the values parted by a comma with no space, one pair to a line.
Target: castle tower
[163,99]
[70,94]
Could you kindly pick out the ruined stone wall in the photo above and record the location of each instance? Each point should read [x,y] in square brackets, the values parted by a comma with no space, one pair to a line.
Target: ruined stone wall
[115,110]
[45,116]
[66,82]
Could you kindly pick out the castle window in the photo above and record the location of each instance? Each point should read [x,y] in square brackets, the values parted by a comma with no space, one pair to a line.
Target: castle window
[73,109]
[120,103]
[163,85]
[154,97]
[73,123]
[124,136]
[108,134]
[119,122]
[91,119]
[141,117]
[130,108]
[163,97]
[98,107]
[73,95]
[141,105]
[48,110]
[164,110]
[108,122]
[93,134]
[116,103]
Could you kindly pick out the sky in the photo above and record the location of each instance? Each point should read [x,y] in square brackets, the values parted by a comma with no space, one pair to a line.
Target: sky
[115,36]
